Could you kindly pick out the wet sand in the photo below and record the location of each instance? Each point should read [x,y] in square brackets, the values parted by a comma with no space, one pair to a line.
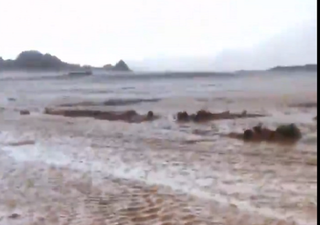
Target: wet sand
[58,170]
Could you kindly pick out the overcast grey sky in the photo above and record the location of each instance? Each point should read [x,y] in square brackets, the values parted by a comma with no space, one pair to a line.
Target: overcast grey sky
[98,32]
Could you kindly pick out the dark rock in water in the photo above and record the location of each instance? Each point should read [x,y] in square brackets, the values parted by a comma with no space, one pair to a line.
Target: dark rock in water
[283,134]
[14,216]
[268,135]
[150,115]
[129,116]
[192,117]
[182,116]
[257,133]
[289,131]
[204,116]
[248,135]
[24,112]
[244,113]
[12,99]
[257,129]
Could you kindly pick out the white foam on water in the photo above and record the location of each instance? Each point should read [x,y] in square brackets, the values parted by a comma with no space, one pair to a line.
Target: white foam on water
[74,153]
[54,155]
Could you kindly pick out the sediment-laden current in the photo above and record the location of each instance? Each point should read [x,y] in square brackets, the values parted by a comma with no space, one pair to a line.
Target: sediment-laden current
[82,170]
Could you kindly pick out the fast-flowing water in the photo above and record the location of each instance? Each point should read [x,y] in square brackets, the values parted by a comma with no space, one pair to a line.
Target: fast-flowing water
[58,170]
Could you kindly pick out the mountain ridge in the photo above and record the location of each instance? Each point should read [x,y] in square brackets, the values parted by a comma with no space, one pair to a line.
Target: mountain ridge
[33,60]
[36,61]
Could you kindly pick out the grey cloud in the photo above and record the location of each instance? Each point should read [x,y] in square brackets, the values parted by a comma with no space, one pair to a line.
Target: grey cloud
[294,46]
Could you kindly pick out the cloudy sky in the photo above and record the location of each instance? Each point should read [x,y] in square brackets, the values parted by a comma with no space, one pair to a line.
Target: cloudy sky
[152,33]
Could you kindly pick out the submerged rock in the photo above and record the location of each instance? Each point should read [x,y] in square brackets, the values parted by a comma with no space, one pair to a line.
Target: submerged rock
[12,99]
[24,112]
[183,116]
[203,116]
[14,216]
[129,116]
[248,135]
[150,115]
[288,133]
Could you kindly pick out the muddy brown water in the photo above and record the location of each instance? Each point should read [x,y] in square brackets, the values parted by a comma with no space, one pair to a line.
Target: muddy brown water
[58,170]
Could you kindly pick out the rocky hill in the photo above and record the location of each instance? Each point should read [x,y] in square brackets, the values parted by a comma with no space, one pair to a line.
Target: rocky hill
[120,66]
[283,69]
[304,68]
[36,61]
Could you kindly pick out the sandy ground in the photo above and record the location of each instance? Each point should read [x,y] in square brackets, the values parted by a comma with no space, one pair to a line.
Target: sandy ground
[57,170]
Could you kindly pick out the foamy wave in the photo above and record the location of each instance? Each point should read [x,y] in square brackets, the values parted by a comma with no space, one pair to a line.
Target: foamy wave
[78,155]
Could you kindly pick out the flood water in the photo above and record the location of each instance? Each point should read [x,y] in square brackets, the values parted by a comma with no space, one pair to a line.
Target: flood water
[58,170]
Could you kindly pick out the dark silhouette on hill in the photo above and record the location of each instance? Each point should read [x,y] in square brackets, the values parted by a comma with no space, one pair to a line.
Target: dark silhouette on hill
[305,68]
[119,66]
[36,61]
[308,68]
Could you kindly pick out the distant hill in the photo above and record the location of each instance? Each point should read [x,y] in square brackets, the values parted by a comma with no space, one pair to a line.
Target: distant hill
[305,68]
[282,69]
[36,61]
[119,66]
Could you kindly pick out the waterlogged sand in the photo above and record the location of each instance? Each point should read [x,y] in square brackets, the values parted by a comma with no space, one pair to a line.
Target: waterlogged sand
[58,170]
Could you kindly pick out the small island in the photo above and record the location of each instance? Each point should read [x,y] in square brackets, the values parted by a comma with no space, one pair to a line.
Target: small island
[36,61]
[303,68]
[308,68]
[121,66]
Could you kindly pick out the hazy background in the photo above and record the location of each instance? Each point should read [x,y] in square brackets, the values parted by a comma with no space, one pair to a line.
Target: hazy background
[163,34]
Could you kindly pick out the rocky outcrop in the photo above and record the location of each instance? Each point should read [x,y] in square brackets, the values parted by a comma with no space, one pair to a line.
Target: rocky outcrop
[120,66]
[288,133]
[35,60]
[129,116]
[108,67]
[204,116]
